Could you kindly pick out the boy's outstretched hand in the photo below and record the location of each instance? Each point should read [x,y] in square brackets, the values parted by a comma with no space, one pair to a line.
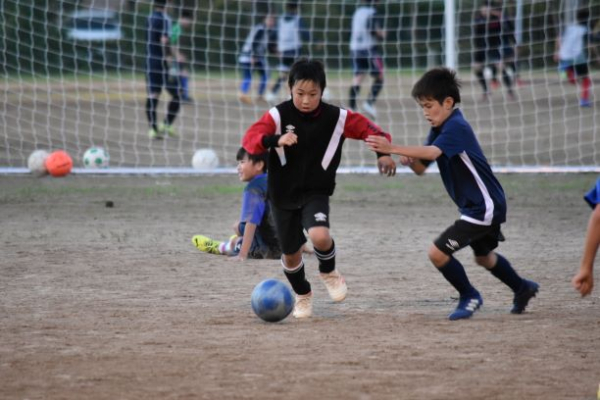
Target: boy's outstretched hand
[379,144]
[386,166]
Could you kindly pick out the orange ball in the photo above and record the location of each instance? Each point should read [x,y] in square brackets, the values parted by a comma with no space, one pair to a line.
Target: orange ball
[59,163]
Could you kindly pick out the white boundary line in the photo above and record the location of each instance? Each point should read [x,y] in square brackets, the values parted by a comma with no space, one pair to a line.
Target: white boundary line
[343,170]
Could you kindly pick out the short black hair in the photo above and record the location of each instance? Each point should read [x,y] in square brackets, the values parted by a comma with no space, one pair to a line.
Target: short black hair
[307,70]
[438,84]
[160,3]
[292,5]
[583,14]
[254,158]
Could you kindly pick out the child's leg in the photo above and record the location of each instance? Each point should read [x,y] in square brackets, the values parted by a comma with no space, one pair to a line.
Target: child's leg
[315,219]
[246,78]
[452,270]
[501,268]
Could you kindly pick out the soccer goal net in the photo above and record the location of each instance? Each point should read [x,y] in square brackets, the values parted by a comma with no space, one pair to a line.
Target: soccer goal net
[74,76]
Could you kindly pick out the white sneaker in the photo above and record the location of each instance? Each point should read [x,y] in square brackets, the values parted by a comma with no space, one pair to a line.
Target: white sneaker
[369,109]
[271,98]
[336,285]
[303,305]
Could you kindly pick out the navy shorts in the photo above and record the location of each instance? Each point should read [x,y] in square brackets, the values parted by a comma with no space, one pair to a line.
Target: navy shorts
[287,59]
[258,249]
[482,239]
[364,61]
[157,78]
[291,224]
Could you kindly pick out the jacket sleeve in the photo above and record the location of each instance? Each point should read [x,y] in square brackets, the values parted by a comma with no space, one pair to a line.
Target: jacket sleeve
[261,135]
[359,127]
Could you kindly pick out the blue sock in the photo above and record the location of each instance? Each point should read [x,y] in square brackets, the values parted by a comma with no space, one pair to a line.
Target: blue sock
[454,272]
[185,87]
[506,273]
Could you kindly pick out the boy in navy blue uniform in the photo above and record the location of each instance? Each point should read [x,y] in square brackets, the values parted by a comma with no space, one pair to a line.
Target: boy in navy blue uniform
[254,233]
[584,280]
[304,137]
[470,182]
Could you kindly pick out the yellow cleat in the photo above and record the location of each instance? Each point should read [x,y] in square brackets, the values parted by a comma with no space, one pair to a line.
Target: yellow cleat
[206,245]
[168,130]
[154,134]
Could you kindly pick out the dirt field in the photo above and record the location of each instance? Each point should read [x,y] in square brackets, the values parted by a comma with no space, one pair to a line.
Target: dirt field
[116,303]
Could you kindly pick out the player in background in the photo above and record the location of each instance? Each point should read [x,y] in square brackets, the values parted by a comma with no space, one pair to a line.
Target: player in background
[572,55]
[157,71]
[583,281]
[470,182]
[179,68]
[304,137]
[291,35]
[254,232]
[253,58]
[367,31]
[487,44]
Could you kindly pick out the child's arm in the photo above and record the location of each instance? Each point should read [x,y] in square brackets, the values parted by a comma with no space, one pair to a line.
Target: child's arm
[359,127]
[415,164]
[381,145]
[249,232]
[584,280]
[261,136]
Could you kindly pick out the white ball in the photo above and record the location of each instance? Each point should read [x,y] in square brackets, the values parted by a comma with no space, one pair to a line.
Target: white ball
[37,162]
[96,157]
[205,159]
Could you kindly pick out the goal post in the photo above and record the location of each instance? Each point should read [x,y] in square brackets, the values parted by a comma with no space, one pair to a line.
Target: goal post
[73,77]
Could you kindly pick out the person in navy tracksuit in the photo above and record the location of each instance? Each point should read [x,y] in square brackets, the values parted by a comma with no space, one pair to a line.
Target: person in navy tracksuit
[304,137]
[470,182]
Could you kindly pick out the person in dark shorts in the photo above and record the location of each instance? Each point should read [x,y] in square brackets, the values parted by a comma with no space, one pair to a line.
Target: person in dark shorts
[304,137]
[470,183]
[157,71]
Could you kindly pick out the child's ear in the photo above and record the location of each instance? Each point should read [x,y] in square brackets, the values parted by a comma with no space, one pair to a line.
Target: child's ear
[448,103]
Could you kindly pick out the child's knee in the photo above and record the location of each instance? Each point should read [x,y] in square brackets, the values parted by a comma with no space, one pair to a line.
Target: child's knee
[320,237]
[488,262]
[437,257]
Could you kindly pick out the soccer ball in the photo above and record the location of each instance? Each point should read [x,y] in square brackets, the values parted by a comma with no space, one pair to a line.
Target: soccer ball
[205,159]
[272,301]
[95,157]
[59,163]
[37,162]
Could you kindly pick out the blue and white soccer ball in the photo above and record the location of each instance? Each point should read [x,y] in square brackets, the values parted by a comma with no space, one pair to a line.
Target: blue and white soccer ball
[272,300]
[96,157]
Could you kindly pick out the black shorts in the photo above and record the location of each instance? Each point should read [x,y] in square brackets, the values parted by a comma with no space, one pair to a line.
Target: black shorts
[157,78]
[489,56]
[482,239]
[259,249]
[364,61]
[291,224]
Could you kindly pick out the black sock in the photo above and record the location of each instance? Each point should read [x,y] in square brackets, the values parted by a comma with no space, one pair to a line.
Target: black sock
[151,105]
[507,80]
[326,259]
[375,89]
[482,81]
[507,274]
[354,91]
[174,105]
[454,272]
[297,278]
[277,85]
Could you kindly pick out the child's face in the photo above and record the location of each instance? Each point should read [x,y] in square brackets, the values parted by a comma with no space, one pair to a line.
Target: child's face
[435,112]
[247,169]
[306,95]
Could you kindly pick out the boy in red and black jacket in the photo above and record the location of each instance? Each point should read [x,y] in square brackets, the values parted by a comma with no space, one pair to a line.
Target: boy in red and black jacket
[304,137]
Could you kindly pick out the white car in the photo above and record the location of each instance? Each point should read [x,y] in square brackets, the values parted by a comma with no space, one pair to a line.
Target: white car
[94,26]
